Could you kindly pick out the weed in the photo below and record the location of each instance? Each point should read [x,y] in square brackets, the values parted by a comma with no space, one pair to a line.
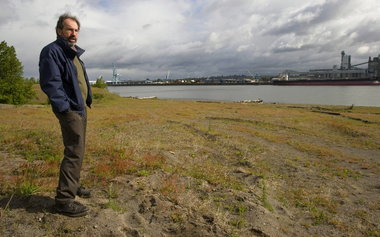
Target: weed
[359,202]
[361,214]
[177,217]
[111,192]
[257,149]
[27,188]
[35,171]
[98,96]
[38,145]
[318,150]
[244,162]
[112,202]
[239,209]
[218,198]
[346,173]
[113,166]
[153,161]
[318,205]
[143,172]
[214,174]
[172,188]
[347,130]
[338,224]
[264,197]
[373,233]
[319,216]
[239,223]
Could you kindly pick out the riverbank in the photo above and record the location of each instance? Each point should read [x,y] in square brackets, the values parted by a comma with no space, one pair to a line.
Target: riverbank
[197,168]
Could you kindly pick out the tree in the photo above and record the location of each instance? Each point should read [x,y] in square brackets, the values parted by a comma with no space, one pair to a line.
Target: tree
[100,83]
[14,89]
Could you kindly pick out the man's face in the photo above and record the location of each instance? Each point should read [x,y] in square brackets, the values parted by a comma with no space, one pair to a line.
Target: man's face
[70,31]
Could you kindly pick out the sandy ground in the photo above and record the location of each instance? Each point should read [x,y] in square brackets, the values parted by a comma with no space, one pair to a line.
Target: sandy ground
[192,212]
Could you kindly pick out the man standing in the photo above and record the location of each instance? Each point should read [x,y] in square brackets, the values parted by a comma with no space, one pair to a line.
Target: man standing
[64,79]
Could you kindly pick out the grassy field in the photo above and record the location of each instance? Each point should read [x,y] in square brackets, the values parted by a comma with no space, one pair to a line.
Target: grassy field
[212,168]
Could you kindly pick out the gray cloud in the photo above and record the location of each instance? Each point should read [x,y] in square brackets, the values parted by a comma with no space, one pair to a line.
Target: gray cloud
[6,13]
[304,20]
[146,39]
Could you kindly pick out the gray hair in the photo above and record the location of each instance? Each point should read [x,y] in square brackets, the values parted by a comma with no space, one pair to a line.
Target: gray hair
[62,18]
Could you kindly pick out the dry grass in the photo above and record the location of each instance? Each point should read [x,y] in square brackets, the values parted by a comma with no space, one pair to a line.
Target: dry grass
[304,161]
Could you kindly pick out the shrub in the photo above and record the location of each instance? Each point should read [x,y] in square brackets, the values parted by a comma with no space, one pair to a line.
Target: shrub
[100,83]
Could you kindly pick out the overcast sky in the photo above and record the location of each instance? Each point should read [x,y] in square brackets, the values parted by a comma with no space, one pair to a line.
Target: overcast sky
[196,38]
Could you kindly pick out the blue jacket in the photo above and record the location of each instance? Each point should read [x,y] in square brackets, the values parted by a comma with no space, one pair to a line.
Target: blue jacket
[58,77]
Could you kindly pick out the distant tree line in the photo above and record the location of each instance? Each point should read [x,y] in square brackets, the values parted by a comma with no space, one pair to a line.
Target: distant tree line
[263,78]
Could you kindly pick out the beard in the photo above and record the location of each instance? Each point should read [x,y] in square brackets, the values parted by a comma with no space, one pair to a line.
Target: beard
[71,40]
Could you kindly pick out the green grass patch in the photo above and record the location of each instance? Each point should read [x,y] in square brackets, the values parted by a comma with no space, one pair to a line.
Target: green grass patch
[27,188]
[264,196]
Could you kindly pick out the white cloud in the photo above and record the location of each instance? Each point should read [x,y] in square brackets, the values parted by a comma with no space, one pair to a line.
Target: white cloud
[363,49]
[193,37]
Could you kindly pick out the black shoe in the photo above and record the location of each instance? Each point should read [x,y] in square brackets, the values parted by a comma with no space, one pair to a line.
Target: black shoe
[72,209]
[83,192]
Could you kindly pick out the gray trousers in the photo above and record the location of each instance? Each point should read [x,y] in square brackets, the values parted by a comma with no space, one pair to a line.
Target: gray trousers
[73,127]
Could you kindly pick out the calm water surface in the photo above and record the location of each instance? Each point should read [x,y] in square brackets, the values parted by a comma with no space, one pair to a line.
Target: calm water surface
[329,95]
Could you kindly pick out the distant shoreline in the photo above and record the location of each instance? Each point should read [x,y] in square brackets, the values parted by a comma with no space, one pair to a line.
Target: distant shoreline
[186,84]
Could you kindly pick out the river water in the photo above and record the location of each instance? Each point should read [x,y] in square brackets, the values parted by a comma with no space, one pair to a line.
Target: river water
[328,95]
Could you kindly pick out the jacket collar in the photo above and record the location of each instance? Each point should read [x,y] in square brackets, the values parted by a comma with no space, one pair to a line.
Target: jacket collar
[68,50]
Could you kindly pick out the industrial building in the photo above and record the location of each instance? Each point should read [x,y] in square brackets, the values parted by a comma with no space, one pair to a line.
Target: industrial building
[345,71]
